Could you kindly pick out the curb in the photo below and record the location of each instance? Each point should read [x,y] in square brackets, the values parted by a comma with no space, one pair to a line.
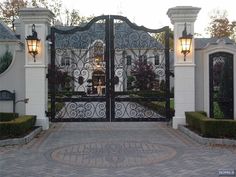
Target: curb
[205,141]
[24,140]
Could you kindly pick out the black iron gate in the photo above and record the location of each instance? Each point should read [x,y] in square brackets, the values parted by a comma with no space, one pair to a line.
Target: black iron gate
[109,70]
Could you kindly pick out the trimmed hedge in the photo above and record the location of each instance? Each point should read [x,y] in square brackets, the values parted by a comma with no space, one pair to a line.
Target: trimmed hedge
[18,126]
[211,128]
[150,93]
[7,116]
[158,107]
[144,93]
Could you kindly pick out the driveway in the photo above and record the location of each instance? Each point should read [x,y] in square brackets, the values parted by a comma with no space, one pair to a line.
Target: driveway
[114,149]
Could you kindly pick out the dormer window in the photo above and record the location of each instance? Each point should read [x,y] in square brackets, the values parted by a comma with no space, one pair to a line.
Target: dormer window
[143,58]
[65,61]
[129,60]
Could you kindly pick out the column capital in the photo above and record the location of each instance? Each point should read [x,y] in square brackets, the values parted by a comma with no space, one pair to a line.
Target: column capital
[36,15]
[183,14]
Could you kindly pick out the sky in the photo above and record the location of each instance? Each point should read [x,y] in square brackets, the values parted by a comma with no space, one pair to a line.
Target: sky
[152,13]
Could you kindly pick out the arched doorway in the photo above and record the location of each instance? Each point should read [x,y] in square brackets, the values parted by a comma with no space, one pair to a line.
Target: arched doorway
[98,79]
[221,85]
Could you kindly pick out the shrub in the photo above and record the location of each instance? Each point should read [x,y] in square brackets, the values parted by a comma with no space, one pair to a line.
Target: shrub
[212,128]
[218,128]
[18,126]
[158,107]
[193,119]
[150,93]
[144,74]
[7,116]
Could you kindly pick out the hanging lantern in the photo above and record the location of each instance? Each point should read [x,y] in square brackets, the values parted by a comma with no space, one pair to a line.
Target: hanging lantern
[33,43]
[185,42]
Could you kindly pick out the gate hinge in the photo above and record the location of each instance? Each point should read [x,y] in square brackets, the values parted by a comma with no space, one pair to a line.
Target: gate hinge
[47,75]
[171,74]
[49,39]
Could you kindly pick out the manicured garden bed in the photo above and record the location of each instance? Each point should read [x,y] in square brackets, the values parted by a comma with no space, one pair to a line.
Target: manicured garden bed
[12,126]
[7,116]
[210,128]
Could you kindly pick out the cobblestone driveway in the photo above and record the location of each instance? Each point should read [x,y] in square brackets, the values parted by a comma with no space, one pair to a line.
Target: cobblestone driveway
[117,149]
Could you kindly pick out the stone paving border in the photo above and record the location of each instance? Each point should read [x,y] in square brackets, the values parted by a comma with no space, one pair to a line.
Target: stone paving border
[206,141]
[23,140]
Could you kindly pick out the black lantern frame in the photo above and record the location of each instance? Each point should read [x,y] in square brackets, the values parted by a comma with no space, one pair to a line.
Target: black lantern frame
[185,42]
[33,43]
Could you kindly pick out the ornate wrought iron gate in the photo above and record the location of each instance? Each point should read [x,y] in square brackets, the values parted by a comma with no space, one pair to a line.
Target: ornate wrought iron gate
[109,70]
[221,85]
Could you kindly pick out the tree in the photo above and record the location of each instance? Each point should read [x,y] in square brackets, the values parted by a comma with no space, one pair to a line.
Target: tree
[220,26]
[144,74]
[54,5]
[9,10]
[161,38]
[73,17]
[5,61]
[62,80]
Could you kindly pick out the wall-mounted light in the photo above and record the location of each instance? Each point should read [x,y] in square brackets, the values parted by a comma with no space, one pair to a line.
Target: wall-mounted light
[33,43]
[98,62]
[185,42]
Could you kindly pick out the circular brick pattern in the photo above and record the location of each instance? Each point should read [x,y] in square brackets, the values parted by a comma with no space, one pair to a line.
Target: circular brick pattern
[107,155]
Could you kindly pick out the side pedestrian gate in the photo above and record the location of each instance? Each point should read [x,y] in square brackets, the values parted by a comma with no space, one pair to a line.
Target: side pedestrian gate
[109,70]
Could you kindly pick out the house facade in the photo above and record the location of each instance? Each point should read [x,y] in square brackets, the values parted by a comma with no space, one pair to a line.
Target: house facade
[85,60]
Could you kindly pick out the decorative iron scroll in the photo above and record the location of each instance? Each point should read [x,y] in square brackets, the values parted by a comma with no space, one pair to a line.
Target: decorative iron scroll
[83,110]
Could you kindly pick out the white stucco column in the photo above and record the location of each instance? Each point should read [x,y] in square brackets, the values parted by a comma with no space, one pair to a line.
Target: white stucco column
[36,87]
[184,80]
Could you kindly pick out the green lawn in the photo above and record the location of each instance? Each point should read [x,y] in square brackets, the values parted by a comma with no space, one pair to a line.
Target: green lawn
[172,106]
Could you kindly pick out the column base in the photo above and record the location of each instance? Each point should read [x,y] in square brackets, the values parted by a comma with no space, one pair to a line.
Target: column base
[43,121]
[177,121]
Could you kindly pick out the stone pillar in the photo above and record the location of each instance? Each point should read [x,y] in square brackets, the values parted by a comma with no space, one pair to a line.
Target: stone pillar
[184,80]
[36,87]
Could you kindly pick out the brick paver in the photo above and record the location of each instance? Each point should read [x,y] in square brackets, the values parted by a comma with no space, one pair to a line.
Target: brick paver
[117,149]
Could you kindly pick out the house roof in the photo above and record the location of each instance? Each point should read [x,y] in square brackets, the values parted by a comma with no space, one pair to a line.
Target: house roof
[203,42]
[6,34]
[125,37]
